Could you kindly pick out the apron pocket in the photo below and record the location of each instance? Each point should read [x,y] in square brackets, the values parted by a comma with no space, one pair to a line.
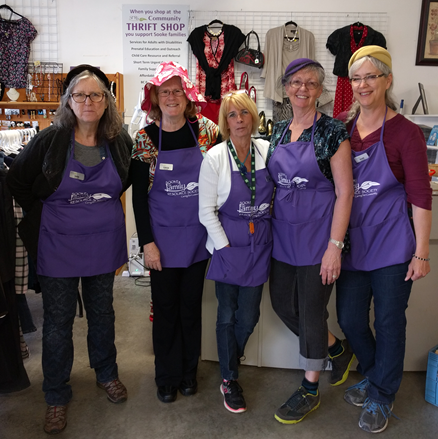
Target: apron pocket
[301,244]
[388,243]
[181,246]
[238,266]
[61,255]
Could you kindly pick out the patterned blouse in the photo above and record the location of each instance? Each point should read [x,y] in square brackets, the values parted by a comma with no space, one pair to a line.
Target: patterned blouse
[213,51]
[329,134]
[145,150]
[15,39]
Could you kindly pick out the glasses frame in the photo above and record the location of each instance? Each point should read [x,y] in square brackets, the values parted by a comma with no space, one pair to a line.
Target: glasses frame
[356,82]
[289,83]
[167,93]
[87,96]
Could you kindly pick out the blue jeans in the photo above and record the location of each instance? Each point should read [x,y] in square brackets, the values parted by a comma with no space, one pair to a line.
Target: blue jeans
[237,314]
[380,357]
[60,296]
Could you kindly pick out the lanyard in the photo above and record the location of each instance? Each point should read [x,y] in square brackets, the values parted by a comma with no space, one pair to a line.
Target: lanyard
[252,185]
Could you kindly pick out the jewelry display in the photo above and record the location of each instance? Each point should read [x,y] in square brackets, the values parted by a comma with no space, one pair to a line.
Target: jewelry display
[13,94]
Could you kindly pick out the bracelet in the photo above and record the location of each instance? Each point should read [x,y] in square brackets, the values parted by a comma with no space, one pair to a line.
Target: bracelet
[421,259]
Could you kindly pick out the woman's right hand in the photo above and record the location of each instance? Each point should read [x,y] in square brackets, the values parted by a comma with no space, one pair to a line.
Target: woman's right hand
[152,256]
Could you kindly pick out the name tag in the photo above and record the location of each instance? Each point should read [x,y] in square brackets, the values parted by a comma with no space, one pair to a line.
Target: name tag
[76,175]
[361,158]
[166,167]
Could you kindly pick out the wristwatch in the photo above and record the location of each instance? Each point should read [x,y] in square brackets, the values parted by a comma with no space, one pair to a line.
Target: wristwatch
[338,244]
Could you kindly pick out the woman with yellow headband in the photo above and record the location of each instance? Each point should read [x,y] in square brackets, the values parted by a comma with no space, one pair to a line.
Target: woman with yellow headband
[387,254]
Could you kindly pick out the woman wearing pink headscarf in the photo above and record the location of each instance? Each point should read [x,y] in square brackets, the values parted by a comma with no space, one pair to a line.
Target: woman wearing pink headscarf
[166,160]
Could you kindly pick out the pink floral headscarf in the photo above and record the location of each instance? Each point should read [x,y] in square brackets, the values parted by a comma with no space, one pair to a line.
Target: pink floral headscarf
[164,72]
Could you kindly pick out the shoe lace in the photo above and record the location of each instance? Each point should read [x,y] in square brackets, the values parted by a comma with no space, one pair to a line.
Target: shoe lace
[360,386]
[232,387]
[299,397]
[374,407]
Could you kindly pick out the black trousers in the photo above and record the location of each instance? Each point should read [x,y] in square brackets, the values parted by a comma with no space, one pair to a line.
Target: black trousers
[177,298]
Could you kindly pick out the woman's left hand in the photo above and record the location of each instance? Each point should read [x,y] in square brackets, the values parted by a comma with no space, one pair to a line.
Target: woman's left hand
[417,269]
[330,265]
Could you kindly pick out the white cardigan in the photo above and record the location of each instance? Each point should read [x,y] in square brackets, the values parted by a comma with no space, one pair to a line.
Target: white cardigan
[215,186]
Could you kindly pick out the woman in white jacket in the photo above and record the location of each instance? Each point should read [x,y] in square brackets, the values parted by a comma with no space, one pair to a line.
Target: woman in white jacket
[235,193]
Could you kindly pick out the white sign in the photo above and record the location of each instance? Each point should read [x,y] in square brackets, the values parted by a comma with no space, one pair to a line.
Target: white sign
[151,34]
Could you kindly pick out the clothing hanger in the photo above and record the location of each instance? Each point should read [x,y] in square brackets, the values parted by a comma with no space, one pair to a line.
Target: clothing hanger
[294,36]
[358,24]
[5,6]
[214,28]
[291,22]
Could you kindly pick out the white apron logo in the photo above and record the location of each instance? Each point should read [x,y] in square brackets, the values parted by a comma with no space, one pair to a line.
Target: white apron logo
[246,210]
[298,182]
[175,188]
[84,197]
[365,189]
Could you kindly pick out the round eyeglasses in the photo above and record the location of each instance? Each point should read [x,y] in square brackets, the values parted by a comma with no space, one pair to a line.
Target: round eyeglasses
[80,98]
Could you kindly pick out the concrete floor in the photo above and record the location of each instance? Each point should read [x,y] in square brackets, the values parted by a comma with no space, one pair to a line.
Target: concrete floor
[203,415]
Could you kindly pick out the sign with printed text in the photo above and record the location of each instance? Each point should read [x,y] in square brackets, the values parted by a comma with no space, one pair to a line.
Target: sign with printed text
[151,34]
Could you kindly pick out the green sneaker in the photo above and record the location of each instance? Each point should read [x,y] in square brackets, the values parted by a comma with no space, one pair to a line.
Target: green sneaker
[297,407]
[341,365]
[374,416]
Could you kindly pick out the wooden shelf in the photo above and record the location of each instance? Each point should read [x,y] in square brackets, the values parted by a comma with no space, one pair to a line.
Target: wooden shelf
[38,104]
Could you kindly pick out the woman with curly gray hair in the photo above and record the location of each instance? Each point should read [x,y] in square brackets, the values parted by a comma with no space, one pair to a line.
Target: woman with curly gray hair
[69,180]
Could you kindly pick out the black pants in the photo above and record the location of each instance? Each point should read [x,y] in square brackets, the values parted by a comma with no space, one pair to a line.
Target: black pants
[300,300]
[177,298]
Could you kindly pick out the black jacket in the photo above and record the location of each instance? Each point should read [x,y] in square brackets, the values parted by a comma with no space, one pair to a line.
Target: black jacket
[38,170]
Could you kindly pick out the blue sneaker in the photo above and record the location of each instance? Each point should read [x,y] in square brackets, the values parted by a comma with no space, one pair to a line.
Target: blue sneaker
[357,394]
[374,416]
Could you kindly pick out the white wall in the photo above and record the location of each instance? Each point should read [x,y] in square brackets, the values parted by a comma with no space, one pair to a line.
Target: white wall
[90,32]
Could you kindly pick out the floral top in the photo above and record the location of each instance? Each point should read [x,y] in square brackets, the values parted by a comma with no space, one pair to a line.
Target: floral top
[329,134]
[146,151]
[15,39]
[213,51]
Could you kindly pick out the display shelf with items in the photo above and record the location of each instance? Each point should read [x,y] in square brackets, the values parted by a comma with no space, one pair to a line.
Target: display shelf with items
[35,105]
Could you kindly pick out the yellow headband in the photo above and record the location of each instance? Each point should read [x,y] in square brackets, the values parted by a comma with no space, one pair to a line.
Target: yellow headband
[375,51]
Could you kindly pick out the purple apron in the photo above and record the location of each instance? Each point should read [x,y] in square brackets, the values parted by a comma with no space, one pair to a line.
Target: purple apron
[82,229]
[248,259]
[303,204]
[174,206]
[380,231]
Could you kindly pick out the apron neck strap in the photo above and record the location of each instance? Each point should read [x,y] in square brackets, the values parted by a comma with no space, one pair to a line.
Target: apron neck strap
[383,124]
[313,128]
[161,133]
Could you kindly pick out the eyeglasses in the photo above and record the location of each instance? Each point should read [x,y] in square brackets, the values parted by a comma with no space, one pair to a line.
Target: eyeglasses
[80,98]
[166,93]
[369,79]
[236,92]
[311,85]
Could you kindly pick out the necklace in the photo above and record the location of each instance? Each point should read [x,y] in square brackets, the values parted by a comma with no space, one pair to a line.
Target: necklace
[294,38]
[242,164]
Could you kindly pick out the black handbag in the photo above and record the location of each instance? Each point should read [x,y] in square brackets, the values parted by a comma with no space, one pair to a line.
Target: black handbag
[251,57]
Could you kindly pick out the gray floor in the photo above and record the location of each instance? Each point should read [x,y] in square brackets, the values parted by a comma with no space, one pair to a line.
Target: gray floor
[201,416]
